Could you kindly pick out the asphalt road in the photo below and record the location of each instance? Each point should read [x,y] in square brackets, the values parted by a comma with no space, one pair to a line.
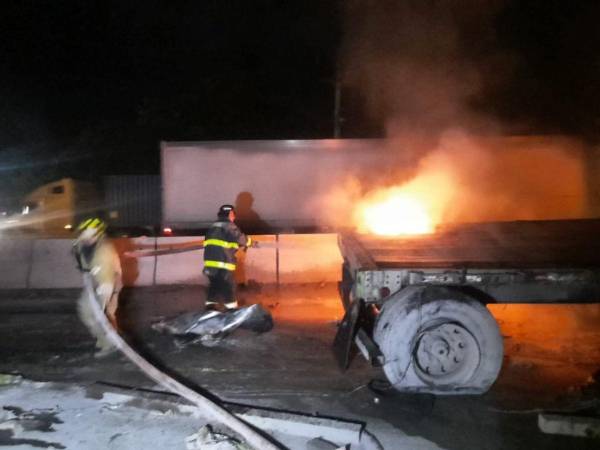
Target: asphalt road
[552,362]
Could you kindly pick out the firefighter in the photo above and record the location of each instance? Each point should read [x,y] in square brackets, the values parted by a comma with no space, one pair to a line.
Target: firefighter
[221,243]
[96,254]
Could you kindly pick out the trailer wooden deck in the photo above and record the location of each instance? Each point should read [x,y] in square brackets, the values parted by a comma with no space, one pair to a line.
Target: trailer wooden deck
[532,261]
[561,244]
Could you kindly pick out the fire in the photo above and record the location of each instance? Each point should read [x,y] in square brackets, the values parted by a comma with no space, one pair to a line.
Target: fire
[467,180]
[396,213]
[415,207]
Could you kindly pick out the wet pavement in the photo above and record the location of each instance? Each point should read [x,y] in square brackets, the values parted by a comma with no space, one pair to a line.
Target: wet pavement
[552,362]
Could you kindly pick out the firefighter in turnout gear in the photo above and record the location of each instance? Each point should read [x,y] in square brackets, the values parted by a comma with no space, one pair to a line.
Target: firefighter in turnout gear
[94,253]
[221,243]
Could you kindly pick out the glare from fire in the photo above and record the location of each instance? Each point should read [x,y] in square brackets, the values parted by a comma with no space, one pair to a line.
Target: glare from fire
[396,215]
[412,208]
[466,180]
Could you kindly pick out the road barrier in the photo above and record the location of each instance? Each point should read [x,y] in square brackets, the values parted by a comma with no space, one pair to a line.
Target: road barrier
[179,268]
[15,263]
[289,258]
[53,265]
[309,258]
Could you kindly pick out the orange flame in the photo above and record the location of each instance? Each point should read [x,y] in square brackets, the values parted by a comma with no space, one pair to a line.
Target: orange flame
[396,214]
[474,180]
[415,207]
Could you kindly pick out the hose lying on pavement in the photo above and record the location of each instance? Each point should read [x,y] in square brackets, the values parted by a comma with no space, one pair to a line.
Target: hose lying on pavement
[210,408]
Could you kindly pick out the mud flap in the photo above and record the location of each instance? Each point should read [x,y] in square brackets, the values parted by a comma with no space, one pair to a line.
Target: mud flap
[343,347]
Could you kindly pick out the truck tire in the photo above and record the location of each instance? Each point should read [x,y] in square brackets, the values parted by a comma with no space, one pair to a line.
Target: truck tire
[438,340]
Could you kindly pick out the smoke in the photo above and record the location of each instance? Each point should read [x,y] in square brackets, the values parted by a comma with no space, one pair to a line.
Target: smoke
[471,179]
[422,65]
[425,68]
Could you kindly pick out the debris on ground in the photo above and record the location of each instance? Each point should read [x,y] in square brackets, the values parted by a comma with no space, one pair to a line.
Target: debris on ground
[569,425]
[9,378]
[208,439]
[296,424]
[62,415]
[109,416]
[274,421]
[17,426]
[208,326]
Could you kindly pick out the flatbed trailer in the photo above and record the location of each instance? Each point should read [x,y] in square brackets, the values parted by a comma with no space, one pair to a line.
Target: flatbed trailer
[417,305]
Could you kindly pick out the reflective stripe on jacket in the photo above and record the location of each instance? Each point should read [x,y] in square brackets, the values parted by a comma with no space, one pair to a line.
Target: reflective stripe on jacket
[219,265]
[221,243]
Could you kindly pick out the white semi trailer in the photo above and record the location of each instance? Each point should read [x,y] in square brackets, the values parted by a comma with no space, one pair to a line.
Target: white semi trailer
[292,184]
[282,182]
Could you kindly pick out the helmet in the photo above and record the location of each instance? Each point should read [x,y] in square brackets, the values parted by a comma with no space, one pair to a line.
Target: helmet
[224,211]
[91,228]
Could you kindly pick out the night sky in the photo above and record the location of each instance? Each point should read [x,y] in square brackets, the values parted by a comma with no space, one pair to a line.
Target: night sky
[90,88]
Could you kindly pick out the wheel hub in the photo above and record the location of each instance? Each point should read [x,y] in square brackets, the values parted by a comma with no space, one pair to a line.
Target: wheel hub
[446,354]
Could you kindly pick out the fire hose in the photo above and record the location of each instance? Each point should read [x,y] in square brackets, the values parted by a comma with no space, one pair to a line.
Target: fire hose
[209,407]
[187,247]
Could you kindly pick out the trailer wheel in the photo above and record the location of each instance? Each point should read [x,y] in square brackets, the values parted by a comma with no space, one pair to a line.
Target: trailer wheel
[438,340]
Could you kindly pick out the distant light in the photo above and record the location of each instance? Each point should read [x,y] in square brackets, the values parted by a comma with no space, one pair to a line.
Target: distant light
[167,230]
[68,226]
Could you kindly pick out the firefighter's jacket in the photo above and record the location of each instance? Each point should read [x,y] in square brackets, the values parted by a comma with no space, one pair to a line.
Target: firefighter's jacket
[102,261]
[221,242]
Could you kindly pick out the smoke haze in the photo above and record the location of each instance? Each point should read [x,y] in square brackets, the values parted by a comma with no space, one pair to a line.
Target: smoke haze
[423,68]
[421,65]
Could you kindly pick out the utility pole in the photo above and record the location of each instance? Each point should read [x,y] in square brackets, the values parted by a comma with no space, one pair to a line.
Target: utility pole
[337,99]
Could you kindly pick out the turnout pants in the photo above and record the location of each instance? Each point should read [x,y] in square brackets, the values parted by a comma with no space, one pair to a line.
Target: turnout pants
[222,285]
[86,314]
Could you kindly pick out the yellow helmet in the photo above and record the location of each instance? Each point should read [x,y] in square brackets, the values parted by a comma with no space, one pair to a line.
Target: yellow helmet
[92,228]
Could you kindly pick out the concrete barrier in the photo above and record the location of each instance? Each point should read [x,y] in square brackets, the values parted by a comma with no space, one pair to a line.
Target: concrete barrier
[53,265]
[309,258]
[15,262]
[48,263]
[258,264]
[180,268]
